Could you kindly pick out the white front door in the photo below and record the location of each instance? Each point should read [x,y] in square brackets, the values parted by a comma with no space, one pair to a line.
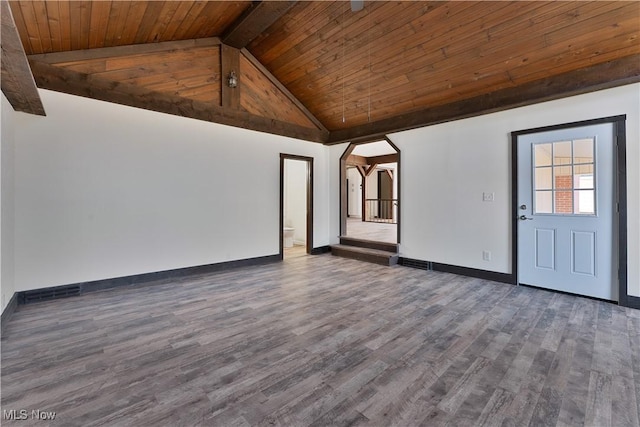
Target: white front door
[565,210]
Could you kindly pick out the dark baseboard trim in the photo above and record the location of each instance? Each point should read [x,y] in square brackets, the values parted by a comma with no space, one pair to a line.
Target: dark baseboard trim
[8,311]
[321,250]
[55,292]
[462,271]
[474,272]
[632,302]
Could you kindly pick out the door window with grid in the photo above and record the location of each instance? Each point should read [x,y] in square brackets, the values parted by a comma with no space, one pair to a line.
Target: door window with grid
[563,181]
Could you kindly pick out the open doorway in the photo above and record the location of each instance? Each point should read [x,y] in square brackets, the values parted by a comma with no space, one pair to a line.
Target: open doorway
[296,205]
[370,202]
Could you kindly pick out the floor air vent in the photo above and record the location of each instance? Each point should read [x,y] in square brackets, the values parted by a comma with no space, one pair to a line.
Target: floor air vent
[49,294]
[416,263]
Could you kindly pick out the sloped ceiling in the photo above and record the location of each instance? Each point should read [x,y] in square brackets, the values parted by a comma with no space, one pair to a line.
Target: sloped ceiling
[320,72]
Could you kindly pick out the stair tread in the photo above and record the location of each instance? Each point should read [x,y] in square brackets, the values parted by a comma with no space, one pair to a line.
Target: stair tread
[372,244]
[365,250]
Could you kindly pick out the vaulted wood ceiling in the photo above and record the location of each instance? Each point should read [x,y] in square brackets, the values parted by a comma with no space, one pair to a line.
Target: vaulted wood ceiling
[317,70]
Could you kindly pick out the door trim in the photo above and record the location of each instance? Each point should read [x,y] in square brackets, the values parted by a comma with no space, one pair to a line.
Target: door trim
[343,186]
[309,205]
[620,195]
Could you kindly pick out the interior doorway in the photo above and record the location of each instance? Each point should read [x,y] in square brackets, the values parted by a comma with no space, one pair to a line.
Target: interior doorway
[370,192]
[296,205]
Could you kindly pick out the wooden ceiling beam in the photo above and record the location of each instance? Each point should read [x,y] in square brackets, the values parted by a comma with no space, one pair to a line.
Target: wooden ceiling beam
[16,80]
[118,51]
[356,160]
[59,79]
[260,16]
[597,77]
[380,160]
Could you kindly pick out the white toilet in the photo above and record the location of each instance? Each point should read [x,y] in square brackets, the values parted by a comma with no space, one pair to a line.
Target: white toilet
[288,237]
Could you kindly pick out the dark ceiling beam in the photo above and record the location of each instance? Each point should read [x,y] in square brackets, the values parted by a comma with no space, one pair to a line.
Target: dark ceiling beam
[116,51]
[59,79]
[254,21]
[597,77]
[16,79]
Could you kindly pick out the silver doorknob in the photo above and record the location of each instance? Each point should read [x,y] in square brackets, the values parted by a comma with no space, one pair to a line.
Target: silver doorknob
[523,218]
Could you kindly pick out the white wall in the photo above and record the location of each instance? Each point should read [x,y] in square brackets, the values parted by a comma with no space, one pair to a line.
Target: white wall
[354,192]
[7,145]
[295,196]
[104,191]
[447,167]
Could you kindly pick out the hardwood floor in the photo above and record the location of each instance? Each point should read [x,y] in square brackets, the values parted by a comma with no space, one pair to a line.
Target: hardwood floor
[379,232]
[320,340]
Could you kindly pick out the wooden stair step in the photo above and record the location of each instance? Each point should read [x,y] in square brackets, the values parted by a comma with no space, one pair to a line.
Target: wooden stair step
[371,244]
[375,256]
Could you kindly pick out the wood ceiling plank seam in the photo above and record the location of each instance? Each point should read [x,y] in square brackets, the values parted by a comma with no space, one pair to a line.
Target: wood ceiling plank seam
[253,21]
[59,79]
[117,19]
[314,33]
[197,93]
[172,76]
[133,61]
[98,25]
[85,23]
[178,17]
[75,22]
[418,53]
[279,35]
[183,84]
[148,22]
[530,57]
[396,89]
[172,71]
[21,26]
[28,14]
[92,67]
[601,21]
[388,32]
[269,100]
[552,55]
[465,42]
[283,89]
[615,73]
[330,34]
[381,25]
[206,21]
[65,26]
[165,16]
[603,58]
[410,53]
[132,22]
[189,19]
[132,75]
[224,19]
[53,16]
[42,21]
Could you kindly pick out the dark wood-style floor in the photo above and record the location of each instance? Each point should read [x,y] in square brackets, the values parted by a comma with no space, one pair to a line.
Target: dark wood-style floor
[320,340]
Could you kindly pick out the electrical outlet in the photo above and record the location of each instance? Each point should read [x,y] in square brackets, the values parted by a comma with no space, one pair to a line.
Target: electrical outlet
[488,197]
[486,255]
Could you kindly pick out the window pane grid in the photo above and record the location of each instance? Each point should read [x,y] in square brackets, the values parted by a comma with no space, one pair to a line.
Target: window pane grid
[563,181]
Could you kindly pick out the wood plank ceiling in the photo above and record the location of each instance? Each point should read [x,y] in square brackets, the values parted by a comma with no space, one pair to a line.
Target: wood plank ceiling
[318,71]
